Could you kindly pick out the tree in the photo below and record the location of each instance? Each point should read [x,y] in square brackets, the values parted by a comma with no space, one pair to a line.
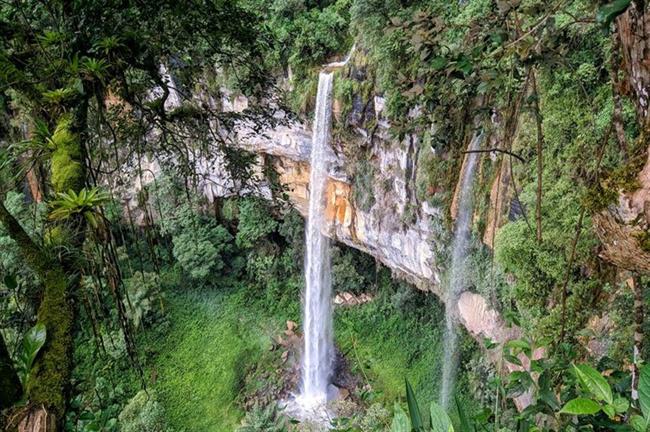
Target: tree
[82,76]
[623,226]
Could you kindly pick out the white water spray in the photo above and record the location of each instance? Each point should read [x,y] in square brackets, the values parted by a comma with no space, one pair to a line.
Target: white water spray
[318,354]
[319,347]
[457,277]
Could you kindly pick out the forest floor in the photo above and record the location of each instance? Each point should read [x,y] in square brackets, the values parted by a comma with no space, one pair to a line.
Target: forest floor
[212,341]
[215,337]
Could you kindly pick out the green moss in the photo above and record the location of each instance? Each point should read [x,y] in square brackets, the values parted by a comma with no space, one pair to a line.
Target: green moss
[599,198]
[644,240]
[363,184]
[55,236]
[67,171]
[52,369]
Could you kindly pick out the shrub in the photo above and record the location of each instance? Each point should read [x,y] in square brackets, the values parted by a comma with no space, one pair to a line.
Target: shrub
[376,418]
[352,271]
[143,413]
[200,250]
[264,420]
[144,292]
[255,222]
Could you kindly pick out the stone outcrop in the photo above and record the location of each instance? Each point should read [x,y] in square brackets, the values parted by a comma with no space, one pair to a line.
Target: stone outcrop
[378,230]
[406,243]
[371,202]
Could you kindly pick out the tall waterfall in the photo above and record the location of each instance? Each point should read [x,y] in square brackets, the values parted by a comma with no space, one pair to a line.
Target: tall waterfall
[319,347]
[458,271]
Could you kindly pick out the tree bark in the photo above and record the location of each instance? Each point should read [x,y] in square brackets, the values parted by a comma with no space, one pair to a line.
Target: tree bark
[632,31]
[623,224]
[51,372]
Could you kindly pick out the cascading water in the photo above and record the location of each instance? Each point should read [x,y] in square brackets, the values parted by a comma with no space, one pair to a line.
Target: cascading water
[458,272]
[318,354]
[319,347]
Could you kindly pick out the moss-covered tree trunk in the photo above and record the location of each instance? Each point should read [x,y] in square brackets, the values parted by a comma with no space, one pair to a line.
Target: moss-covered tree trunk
[51,373]
[47,388]
[622,228]
[9,382]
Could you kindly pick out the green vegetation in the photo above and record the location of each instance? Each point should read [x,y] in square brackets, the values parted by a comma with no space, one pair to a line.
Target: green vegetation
[391,335]
[139,292]
[203,359]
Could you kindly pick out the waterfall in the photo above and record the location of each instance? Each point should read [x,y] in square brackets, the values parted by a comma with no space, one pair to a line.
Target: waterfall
[319,347]
[457,276]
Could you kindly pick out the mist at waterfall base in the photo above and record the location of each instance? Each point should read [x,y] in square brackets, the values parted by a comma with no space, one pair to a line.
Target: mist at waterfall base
[318,353]
[458,271]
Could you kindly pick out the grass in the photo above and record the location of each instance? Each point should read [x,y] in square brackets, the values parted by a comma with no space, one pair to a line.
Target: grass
[212,340]
[385,346]
[215,336]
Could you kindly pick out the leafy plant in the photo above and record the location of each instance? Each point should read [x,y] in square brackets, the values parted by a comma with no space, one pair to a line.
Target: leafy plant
[598,396]
[143,413]
[200,249]
[144,293]
[84,203]
[255,222]
[439,421]
[268,419]
[32,343]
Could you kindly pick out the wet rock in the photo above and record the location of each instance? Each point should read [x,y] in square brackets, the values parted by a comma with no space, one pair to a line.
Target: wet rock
[349,299]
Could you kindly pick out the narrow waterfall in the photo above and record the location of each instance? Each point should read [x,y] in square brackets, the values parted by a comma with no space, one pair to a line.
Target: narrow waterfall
[319,347]
[457,276]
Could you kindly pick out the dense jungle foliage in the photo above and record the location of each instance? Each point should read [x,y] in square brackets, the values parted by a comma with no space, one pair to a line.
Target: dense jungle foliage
[140,291]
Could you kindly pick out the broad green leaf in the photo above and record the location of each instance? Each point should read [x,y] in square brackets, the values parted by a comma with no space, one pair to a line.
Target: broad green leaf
[638,423]
[607,13]
[440,421]
[465,425]
[518,344]
[10,281]
[439,63]
[401,421]
[414,409]
[513,359]
[610,411]
[621,405]
[548,397]
[32,343]
[644,394]
[489,343]
[594,382]
[87,415]
[644,391]
[580,406]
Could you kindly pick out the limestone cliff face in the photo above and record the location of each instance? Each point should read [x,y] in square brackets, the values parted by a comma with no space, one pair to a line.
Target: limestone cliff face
[394,228]
[390,229]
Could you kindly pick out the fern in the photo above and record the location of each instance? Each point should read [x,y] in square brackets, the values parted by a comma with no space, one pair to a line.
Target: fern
[266,419]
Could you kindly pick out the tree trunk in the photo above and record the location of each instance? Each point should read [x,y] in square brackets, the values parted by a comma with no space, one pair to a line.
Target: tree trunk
[632,31]
[49,381]
[9,382]
[622,226]
[50,375]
